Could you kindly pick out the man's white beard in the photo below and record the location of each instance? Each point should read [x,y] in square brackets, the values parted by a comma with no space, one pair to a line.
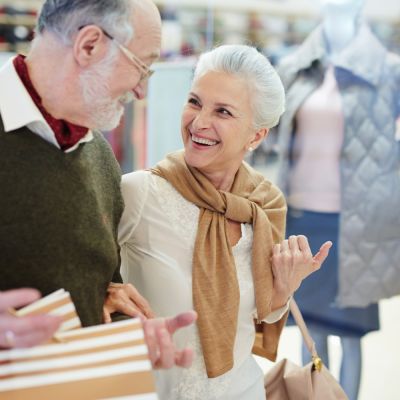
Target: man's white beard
[105,112]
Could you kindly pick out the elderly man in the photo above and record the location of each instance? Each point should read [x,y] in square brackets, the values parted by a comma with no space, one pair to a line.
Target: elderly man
[61,201]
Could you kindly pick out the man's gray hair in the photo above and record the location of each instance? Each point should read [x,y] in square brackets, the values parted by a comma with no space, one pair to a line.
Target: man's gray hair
[245,62]
[64,18]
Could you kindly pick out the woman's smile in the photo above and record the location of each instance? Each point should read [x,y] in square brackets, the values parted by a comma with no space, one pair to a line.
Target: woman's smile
[202,142]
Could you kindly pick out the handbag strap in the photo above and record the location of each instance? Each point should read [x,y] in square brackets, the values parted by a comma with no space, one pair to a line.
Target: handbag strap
[308,340]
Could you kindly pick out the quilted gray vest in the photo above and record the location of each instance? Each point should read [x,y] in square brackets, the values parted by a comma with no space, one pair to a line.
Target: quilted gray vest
[368,79]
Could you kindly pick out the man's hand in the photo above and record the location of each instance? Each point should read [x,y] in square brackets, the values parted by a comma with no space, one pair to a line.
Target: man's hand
[158,335]
[292,261]
[24,331]
[125,299]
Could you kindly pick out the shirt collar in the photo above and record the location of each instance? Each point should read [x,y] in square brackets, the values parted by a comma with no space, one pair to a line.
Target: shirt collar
[17,109]
[364,56]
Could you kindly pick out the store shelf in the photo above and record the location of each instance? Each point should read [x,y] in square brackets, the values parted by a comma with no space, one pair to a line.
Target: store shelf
[32,4]
[298,7]
[25,20]
[377,10]
[4,47]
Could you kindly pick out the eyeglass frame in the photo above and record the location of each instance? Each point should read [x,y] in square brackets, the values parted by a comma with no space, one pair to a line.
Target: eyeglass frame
[145,71]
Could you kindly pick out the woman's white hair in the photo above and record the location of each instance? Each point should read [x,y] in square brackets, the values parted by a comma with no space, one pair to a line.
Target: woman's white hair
[64,18]
[264,85]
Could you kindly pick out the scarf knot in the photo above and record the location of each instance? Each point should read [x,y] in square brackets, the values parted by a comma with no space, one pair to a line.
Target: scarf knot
[215,287]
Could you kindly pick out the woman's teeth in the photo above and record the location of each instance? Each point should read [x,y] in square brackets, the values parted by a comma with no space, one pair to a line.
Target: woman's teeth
[207,142]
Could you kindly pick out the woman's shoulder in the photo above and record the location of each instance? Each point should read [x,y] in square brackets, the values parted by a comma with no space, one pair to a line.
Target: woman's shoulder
[135,188]
[135,191]
[136,178]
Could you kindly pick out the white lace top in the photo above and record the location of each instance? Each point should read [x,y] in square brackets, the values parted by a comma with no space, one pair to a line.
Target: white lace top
[157,234]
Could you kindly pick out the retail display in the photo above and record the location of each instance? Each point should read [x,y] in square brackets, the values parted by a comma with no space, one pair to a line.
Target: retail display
[16,27]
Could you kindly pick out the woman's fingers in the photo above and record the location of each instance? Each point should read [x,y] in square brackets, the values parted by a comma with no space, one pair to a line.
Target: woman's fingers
[167,349]
[126,299]
[106,315]
[129,308]
[151,341]
[180,321]
[140,301]
[184,358]
[158,336]
[304,246]
[292,261]
[293,243]
[323,252]
[285,246]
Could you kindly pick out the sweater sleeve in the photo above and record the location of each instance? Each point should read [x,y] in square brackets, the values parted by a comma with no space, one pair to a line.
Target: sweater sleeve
[134,188]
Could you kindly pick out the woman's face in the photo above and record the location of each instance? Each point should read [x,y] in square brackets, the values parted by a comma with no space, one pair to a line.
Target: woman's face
[217,123]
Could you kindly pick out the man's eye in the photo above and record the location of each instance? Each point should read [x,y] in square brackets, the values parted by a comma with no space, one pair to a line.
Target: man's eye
[224,111]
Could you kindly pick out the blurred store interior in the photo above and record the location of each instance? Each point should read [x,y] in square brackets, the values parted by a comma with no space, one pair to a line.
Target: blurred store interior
[275,27]
[150,128]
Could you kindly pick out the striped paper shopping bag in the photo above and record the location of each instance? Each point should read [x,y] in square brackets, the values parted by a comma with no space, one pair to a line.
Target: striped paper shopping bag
[57,303]
[100,362]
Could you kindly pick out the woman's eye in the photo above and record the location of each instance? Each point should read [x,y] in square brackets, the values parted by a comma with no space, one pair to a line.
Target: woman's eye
[193,101]
[224,111]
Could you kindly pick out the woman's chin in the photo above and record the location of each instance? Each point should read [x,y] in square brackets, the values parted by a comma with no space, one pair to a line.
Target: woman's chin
[196,160]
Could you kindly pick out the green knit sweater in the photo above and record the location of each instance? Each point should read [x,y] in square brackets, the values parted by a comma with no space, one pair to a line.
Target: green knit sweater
[59,214]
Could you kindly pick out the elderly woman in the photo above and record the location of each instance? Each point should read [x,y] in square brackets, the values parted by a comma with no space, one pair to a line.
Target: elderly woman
[199,231]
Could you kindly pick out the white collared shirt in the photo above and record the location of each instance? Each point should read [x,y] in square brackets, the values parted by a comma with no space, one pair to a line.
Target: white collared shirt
[17,109]
[157,234]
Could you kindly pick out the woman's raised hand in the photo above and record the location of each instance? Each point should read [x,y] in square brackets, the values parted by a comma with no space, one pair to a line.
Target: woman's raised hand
[292,261]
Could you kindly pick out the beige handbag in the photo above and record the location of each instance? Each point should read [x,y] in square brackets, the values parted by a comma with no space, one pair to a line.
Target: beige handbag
[288,381]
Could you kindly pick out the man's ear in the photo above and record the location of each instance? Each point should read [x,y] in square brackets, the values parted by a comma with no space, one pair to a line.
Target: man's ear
[258,137]
[90,45]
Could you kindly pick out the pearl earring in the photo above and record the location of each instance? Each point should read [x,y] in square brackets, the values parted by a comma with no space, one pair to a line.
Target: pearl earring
[250,149]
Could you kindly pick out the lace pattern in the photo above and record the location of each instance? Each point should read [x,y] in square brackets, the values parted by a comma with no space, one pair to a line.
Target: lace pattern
[182,214]
[193,383]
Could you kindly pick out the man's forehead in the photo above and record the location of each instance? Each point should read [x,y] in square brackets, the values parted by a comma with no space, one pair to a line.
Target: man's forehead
[145,12]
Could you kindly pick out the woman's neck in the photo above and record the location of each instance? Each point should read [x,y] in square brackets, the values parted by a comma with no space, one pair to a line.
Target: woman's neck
[220,180]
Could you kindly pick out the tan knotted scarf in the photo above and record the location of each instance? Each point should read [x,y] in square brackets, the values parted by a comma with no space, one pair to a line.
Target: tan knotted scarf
[215,286]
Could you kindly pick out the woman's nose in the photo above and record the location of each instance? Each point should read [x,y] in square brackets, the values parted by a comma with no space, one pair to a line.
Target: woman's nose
[202,120]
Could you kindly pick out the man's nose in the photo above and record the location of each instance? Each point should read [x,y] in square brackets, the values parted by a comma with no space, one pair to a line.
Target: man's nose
[140,90]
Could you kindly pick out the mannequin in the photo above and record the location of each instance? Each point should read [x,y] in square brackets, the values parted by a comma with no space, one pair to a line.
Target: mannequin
[339,168]
[339,23]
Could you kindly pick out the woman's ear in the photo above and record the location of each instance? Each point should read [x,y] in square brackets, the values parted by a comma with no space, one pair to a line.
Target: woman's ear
[259,136]
[90,45]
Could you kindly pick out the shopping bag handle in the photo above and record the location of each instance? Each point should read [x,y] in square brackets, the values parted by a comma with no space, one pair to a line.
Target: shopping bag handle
[308,340]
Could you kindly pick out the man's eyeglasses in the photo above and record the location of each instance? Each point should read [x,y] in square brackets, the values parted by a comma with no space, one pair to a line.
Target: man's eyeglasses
[145,71]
